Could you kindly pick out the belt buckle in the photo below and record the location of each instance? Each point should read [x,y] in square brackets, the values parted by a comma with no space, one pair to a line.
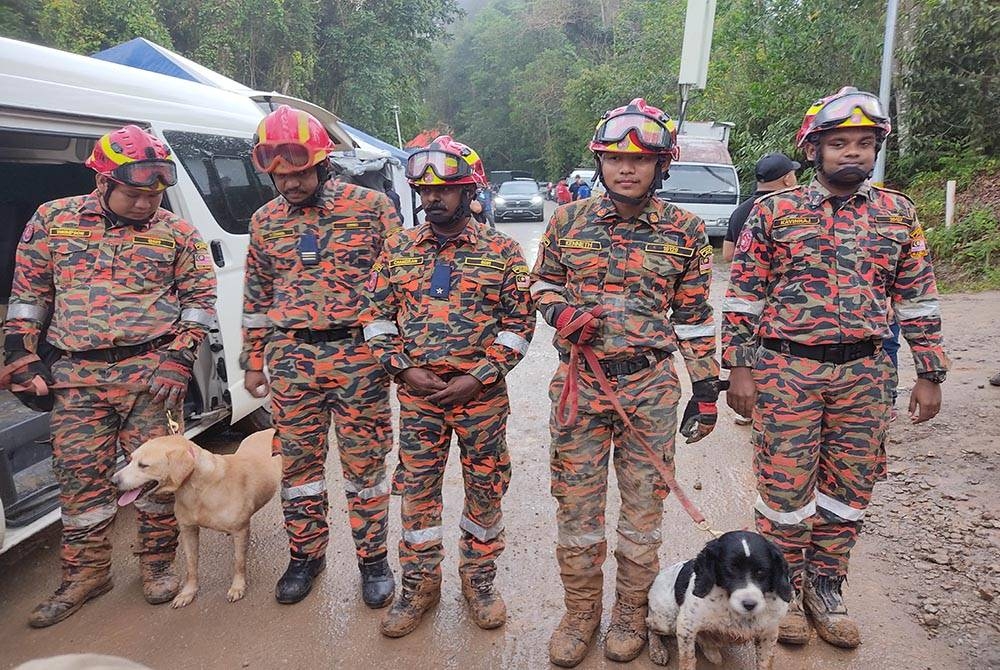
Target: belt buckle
[836,353]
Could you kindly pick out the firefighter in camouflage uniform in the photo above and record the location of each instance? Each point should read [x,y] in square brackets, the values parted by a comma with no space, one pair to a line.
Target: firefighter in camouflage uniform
[128,292]
[449,317]
[628,275]
[309,255]
[816,269]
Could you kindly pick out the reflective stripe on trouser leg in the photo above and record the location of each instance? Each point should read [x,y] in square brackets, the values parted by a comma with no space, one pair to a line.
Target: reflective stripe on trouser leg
[157,530]
[424,440]
[856,420]
[653,412]
[362,422]
[481,427]
[787,430]
[302,421]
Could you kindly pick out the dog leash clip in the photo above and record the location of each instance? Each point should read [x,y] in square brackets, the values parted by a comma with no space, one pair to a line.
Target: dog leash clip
[703,525]
[171,424]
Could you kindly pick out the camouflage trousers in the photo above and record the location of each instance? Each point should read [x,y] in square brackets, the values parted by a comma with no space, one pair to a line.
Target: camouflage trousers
[818,433]
[425,432]
[579,457]
[101,412]
[310,383]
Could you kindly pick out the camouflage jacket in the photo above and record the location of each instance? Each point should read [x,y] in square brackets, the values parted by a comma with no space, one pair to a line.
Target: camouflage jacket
[107,285]
[306,266]
[652,275]
[458,307]
[806,273]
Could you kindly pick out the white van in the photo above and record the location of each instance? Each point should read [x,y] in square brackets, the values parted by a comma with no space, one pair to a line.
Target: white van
[53,107]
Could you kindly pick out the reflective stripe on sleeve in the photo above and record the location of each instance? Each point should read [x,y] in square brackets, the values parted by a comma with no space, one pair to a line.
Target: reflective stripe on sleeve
[23,310]
[378,328]
[505,338]
[911,309]
[540,286]
[689,332]
[200,316]
[256,320]
[742,305]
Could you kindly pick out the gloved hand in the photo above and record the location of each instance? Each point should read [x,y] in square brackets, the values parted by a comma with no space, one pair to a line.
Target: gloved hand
[30,382]
[701,413]
[588,323]
[170,381]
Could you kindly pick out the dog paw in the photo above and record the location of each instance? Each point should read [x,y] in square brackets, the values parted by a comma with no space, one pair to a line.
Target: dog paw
[236,593]
[659,652]
[183,599]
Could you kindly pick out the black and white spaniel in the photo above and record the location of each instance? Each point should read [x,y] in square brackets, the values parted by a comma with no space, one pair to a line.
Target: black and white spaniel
[735,591]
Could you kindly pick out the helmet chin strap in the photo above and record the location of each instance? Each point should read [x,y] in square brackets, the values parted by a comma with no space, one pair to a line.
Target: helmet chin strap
[833,178]
[627,199]
[115,219]
[463,211]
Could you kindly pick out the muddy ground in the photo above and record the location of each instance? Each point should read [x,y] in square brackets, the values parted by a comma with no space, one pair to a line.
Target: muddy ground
[924,582]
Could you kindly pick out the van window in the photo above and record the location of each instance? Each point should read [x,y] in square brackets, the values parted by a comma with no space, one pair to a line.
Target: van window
[692,183]
[226,179]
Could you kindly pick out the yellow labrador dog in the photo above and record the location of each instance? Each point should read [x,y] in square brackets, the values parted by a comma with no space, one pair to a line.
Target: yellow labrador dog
[214,491]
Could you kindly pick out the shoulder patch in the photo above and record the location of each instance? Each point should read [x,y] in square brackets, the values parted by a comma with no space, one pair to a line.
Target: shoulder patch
[69,232]
[405,261]
[573,243]
[771,194]
[797,220]
[520,269]
[918,243]
[485,262]
[705,260]
[200,246]
[29,232]
[669,249]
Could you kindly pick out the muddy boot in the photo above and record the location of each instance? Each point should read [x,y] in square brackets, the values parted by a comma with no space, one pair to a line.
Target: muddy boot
[297,581]
[826,608]
[377,583]
[160,582]
[794,626]
[68,598]
[409,608]
[583,583]
[485,602]
[627,633]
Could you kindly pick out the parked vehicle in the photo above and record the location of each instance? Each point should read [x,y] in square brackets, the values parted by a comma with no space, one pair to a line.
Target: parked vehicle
[519,199]
[54,107]
[704,180]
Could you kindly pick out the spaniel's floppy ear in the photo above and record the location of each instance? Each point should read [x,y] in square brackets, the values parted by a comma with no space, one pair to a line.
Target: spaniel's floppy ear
[704,569]
[780,581]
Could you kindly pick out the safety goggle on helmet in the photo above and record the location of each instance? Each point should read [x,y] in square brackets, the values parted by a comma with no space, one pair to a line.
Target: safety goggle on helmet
[134,157]
[848,108]
[445,162]
[290,140]
[636,128]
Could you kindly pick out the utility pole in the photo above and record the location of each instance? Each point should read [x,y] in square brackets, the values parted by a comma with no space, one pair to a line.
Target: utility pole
[399,135]
[885,85]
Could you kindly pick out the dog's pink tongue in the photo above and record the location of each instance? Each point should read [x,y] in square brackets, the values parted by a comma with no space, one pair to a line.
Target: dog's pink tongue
[129,497]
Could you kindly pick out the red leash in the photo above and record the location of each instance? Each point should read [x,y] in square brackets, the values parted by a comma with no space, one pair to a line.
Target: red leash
[566,412]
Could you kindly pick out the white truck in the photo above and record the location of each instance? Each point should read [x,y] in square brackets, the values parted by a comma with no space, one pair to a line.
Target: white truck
[704,180]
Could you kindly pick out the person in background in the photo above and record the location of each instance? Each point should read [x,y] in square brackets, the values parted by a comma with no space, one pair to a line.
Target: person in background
[773,172]
[563,195]
[575,187]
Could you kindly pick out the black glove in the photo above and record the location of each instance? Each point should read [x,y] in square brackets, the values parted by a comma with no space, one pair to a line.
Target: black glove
[24,376]
[170,381]
[701,413]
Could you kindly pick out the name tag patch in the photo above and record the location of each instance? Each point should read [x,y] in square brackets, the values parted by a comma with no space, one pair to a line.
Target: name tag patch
[894,219]
[485,262]
[669,249]
[572,243]
[405,261]
[68,232]
[278,234]
[796,221]
[158,242]
[350,225]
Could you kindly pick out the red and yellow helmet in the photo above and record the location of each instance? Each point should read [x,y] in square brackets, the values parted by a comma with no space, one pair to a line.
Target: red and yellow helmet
[847,108]
[290,140]
[636,128]
[445,162]
[134,157]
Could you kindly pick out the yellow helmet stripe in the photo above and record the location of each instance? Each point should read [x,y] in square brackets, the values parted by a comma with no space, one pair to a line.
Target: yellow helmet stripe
[117,158]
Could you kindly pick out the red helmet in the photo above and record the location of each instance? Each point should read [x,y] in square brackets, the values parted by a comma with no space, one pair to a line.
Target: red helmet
[290,140]
[636,128]
[134,157]
[847,108]
[445,161]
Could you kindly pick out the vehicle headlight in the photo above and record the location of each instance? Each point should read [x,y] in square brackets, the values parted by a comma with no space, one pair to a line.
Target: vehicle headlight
[499,201]
[536,200]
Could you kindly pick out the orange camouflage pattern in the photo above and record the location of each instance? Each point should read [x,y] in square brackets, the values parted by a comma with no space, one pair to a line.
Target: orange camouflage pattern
[479,323]
[106,286]
[816,270]
[290,290]
[652,275]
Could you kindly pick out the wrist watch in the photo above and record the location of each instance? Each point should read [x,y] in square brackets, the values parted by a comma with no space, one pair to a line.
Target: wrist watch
[933,376]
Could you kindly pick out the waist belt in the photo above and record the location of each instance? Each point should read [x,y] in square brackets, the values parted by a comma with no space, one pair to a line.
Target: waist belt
[824,353]
[315,336]
[620,367]
[115,354]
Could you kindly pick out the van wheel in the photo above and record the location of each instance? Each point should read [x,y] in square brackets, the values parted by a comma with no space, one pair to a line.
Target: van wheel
[259,419]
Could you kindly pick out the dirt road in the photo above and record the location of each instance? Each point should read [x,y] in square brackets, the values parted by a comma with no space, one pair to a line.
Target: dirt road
[923,582]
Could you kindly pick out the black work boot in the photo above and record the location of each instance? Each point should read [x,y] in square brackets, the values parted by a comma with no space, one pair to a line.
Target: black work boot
[377,583]
[297,581]
[825,605]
